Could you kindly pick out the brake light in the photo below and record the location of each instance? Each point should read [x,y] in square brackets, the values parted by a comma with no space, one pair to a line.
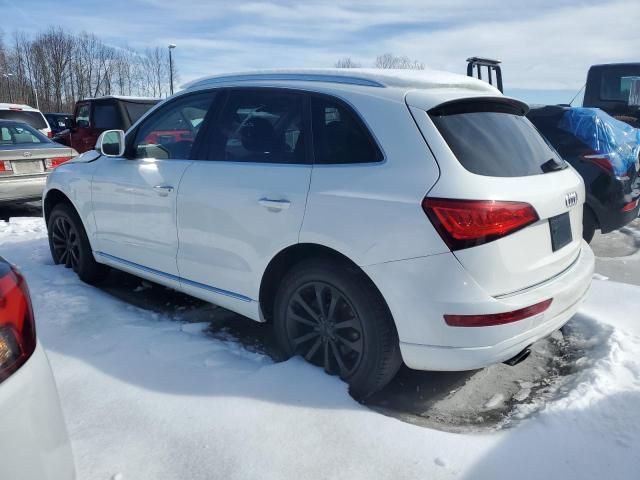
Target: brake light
[5,166]
[17,327]
[601,161]
[50,134]
[468,223]
[630,206]
[494,319]
[55,161]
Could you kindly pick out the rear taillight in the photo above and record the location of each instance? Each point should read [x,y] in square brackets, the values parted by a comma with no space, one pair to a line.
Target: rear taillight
[468,223]
[5,167]
[602,161]
[17,327]
[630,206]
[55,161]
[50,134]
[493,319]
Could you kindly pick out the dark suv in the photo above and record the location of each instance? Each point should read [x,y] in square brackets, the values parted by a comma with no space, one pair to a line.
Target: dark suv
[95,115]
[605,152]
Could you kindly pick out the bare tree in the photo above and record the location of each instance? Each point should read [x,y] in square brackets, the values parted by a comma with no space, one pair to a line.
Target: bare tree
[347,62]
[62,68]
[389,60]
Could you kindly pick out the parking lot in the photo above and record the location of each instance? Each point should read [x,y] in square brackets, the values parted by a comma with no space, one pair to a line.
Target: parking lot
[495,397]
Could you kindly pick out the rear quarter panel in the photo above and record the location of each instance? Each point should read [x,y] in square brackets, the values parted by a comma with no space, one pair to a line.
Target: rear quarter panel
[371,212]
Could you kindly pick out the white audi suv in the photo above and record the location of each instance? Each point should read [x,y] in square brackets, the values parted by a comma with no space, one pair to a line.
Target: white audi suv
[374,217]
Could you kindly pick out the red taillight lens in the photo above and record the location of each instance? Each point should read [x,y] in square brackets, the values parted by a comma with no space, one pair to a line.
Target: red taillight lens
[17,327]
[5,166]
[601,161]
[630,206]
[496,318]
[55,161]
[50,134]
[467,223]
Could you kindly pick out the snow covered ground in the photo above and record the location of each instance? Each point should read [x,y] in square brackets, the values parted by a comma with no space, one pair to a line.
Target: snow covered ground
[149,397]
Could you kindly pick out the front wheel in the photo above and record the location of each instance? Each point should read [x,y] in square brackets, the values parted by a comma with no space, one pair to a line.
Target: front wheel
[70,246]
[331,315]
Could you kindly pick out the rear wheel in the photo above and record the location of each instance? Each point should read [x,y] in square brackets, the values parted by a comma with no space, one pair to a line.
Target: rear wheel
[332,316]
[70,246]
[589,224]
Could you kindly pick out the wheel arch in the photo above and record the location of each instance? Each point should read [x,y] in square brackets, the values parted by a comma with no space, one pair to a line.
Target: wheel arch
[287,258]
[52,198]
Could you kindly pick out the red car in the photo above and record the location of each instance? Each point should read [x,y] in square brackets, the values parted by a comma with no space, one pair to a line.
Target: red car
[93,116]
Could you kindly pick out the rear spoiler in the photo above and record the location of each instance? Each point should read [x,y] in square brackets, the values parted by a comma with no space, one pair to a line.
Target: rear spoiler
[492,66]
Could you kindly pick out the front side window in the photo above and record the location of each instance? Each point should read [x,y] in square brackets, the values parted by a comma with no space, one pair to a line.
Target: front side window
[82,118]
[261,126]
[106,117]
[339,136]
[170,132]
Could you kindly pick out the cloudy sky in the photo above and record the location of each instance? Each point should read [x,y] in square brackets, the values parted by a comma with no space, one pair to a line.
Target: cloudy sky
[546,45]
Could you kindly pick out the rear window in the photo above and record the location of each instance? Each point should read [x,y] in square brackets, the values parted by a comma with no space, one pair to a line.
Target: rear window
[20,134]
[495,139]
[35,119]
[616,84]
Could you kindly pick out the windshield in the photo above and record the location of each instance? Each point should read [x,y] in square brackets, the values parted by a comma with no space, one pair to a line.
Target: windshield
[35,119]
[20,134]
[491,140]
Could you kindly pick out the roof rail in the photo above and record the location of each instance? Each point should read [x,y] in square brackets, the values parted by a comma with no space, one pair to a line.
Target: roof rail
[492,65]
[307,77]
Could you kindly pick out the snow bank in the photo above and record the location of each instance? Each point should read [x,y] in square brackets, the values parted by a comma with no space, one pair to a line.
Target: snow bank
[146,397]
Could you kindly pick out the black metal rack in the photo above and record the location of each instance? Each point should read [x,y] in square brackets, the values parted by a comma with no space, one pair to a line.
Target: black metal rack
[476,63]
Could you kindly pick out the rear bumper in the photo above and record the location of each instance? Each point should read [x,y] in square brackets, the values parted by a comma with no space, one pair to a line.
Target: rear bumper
[22,188]
[34,444]
[420,291]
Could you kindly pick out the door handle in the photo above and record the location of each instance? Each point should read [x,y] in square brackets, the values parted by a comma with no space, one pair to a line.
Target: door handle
[274,204]
[163,190]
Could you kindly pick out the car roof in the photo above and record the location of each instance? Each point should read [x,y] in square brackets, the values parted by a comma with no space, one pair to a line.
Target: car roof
[17,106]
[121,97]
[366,77]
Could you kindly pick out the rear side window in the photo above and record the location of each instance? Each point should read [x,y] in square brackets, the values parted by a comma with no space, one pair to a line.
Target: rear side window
[494,139]
[35,119]
[339,136]
[265,126]
[106,117]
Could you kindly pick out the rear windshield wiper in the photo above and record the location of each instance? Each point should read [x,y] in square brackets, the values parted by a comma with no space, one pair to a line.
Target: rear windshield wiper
[552,165]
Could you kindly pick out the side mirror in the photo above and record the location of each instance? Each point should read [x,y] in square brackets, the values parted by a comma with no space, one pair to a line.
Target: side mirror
[111,143]
[70,123]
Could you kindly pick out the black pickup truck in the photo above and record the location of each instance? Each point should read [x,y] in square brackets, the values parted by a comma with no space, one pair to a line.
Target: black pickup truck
[615,88]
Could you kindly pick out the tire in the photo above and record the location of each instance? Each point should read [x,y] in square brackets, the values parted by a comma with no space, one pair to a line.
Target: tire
[589,224]
[70,246]
[352,334]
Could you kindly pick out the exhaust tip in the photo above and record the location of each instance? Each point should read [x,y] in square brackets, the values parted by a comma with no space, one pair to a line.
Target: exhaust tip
[520,357]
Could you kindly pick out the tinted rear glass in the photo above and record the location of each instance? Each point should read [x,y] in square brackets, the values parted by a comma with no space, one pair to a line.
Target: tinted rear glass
[617,83]
[35,119]
[496,141]
[136,110]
